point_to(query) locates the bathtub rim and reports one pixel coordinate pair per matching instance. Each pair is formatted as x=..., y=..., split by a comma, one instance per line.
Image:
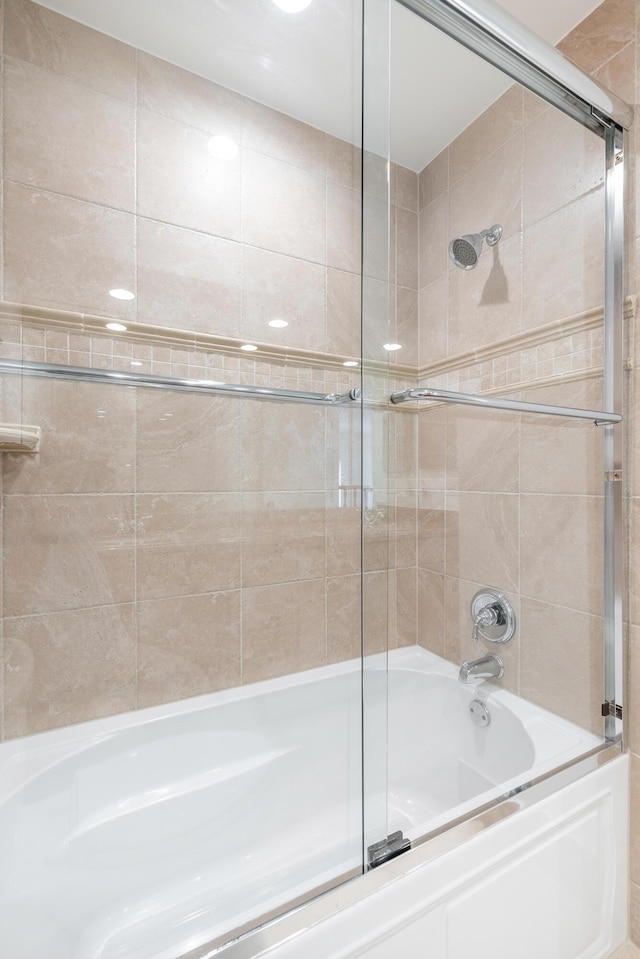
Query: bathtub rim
x=251, y=941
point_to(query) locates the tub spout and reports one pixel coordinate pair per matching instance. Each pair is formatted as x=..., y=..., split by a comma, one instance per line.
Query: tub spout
x=489, y=667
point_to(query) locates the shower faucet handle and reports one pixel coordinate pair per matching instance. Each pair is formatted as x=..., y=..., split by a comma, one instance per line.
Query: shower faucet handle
x=493, y=617
x=488, y=616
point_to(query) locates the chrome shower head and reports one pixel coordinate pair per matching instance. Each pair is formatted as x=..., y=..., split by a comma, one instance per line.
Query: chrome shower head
x=465, y=250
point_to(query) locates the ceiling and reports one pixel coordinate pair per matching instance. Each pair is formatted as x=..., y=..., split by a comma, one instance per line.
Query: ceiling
x=307, y=64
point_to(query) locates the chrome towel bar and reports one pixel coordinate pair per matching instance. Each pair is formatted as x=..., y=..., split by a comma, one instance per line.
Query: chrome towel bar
x=496, y=403
x=83, y=374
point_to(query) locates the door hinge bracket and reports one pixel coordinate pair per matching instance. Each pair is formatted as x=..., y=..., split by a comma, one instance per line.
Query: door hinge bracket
x=394, y=845
x=612, y=709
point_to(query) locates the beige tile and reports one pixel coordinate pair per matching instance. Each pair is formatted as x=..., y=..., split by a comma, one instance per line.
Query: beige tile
x=68, y=667
x=561, y=662
x=488, y=133
x=634, y=822
x=192, y=100
x=2, y=241
x=88, y=437
x=406, y=328
x=533, y=106
x=634, y=917
x=632, y=225
x=378, y=612
x=179, y=182
x=40, y=36
x=482, y=539
x=633, y=673
x=485, y=304
x=433, y=181
x=431, y=532
x=188, y=543
x=500, y=199
x=406, y=633
x=376, y=543
x=561, y=550
x=378, y=241
x=278, y=135
x=600, y=35
x=431, y=626
x=550, y=183
x=634, y=552
x=618, y=73
x=563, y=262
x=187, y=280
x=344, y=162
x=433, y=312
x=405, y=529
x=344, y=223
x=283, y=208
x=46, y=117
x=407, y=248
x=482, y=451
x=283, y=446
x=344, y=539
x=188, y=443
x=343, y=313
x=283, y=537
x=65, y=253
x=404, y=461
x=576, y=463
x=404, y=188
x=343, y=459
x=626, y=951
x=278, y=287
x=432, y=431
x=283, y=629
x=377, y=318
x=188, y=646
x=433, y=240
x=344, y=615
x=67, y=552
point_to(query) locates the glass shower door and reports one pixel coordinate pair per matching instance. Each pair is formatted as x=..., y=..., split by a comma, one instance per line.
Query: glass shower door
x=182, y=595
x=502, y=313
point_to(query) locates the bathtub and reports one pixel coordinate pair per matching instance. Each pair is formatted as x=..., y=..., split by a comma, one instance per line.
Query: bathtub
x=147, y=835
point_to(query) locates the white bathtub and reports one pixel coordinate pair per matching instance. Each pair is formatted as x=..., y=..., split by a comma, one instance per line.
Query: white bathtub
x=146, y=835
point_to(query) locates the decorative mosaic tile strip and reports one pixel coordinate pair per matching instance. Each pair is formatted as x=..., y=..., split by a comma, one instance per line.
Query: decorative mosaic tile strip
x=566, y=350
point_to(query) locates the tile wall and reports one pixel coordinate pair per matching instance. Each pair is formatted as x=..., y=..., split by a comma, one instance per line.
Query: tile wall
x=516, y=502
x=164, y=544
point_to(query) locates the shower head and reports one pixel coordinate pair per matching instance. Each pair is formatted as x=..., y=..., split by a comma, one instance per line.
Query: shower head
x=465, y=250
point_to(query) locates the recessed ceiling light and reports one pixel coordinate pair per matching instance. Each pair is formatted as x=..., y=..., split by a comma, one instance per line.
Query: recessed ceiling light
x=122, y=294
x=249, y=347
x=292, y=6
x=116, y=327
x=392, y=346
x=222, y=148
x=278, y=324
x=350, y=363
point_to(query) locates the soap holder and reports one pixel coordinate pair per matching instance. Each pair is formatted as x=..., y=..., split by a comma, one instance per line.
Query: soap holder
x=19, y=439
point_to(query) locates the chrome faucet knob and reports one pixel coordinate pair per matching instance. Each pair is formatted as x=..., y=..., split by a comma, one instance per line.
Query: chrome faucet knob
x=488, y=616
x=492, y=615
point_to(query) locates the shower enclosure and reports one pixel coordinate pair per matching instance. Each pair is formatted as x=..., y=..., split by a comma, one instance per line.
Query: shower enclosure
x=312, y=539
